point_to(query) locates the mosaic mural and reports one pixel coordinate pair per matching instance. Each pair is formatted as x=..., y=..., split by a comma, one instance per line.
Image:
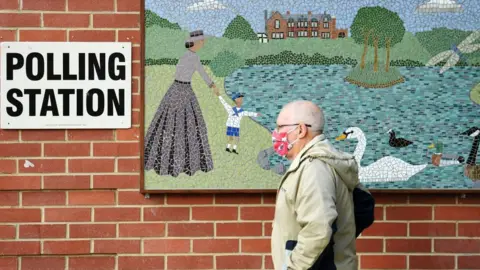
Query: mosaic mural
x=399, y=83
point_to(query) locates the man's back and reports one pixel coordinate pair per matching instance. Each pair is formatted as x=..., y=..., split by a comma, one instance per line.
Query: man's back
x=314, y=197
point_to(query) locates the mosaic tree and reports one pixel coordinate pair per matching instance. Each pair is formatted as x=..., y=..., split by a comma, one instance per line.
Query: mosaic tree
x=377, y=27
x=239, y=28
x=151, y=19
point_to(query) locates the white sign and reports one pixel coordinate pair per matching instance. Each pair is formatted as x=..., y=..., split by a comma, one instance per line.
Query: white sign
x=65, y=85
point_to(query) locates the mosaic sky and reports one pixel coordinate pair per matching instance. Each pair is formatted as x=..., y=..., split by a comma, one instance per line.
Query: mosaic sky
x=213, y=16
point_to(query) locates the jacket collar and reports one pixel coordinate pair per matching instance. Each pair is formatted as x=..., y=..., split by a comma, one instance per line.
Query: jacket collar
x=296, y=162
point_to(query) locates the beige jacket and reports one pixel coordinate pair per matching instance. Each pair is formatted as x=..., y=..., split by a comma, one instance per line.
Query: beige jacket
x=312, y=194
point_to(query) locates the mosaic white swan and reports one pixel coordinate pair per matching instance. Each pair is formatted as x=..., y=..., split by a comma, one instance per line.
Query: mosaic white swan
x=386, y=169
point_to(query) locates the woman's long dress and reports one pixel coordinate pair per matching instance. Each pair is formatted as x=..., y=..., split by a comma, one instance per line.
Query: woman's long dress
x=176, y=140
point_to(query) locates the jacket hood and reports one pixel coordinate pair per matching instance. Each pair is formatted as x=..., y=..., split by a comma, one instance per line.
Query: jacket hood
x=343, y=163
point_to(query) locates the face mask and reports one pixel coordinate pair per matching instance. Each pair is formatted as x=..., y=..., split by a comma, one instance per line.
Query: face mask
x=280, y=142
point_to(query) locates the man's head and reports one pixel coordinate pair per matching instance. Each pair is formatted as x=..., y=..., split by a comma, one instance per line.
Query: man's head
x=238, y=98
x=302, y=120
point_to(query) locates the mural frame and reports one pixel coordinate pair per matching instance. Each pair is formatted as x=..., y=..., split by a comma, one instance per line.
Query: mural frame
x=460, y=192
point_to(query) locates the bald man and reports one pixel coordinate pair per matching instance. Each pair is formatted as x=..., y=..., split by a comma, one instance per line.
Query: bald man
x=314, y=224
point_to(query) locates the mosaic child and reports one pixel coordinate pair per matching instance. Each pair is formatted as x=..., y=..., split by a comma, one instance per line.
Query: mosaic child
x=235, y=115
x=176, y=140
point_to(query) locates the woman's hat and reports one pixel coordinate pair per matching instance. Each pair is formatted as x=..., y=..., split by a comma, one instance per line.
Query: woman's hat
x=196, y=36
x=236, y=95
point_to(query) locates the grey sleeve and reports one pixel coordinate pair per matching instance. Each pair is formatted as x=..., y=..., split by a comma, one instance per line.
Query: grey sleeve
x=203, y=73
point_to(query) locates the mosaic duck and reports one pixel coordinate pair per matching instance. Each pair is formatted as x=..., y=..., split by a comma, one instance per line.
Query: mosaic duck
x=472, y=170
x=386, y=169
x=440, y=159
x=397, y=142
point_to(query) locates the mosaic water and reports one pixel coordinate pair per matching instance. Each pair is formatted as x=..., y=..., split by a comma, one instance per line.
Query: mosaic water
x=426, y=107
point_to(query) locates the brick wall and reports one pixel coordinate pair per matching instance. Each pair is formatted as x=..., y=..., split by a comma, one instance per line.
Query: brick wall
x=79, y=207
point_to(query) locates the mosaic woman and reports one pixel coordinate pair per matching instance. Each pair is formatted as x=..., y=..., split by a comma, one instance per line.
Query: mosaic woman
x=176, y=140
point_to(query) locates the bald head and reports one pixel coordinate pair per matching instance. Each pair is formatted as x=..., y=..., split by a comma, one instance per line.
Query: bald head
x=302, y=111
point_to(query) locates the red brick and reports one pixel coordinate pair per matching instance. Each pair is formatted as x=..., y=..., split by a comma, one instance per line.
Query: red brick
x=386, y=229
x=369, y=245
x=91, y=165
x=166, y=213
x=8, y=166
x=117, y=246
x=9, y=35
x=20, y=182
x=135, y=116
x=166, y=246
x=468, y=262
x=7, y=232
x=42, y=231
x=190, y=262
x=383, y=262
x=457, y=245
x=87, y=134
x=91, y=197
x=408, y=245
x=136, y=198
x=20, y=215
x=131, y=134
x=9, y=4
x=43, y=135
x=255, y=245
x=457, y=213
x=92, y=263
x=190, y=229
x=268, y=262
x=215, y=213
x=136, y=101
x=116, y=20
x=432, y=262
x=267, y=229
x=216, y=246
x=43, y=166
x=432, y=229
x=9, y=198
x=66, y=182
x=66, y=20
x=116, y=149
x=20, y=149
x=408, y=213
x=92, y=36
x=257, y=213
x=135, y=89
x=378, y=213
x=9, y=263
x=93, y=230
x=66, y=149
x=432, y=199
x=190, y=199
x=128, y=165
x=66, y=247
x=469, y=229
x=132, y=36
x=469, y=199
x=20, y=19
x=117, y=214
x=90, y=5
x=67, y=214
x=43, y=35
x=238, y=199
x=141, y=230
x=50, y=5
x=127, y=5
x=269, y=198
x=116, y=181
x=8, y=135
x=239, y=262
x=239, y=229
x=19, y=248
x=394, y=199
x=43, y=198
x=141, y=262
x=43, y=263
